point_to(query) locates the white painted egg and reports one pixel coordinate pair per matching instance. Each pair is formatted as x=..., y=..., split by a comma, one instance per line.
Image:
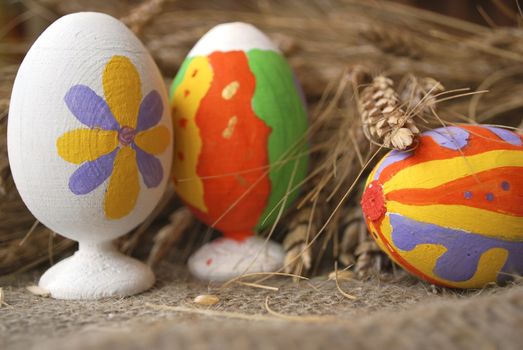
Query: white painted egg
x=89, y=133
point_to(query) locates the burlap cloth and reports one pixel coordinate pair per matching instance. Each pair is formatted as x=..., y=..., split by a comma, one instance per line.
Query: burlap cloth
x=399, y=314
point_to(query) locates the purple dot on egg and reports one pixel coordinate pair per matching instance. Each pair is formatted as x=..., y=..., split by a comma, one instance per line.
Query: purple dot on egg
x=467, y=195
x=505, y=186
x=489, y=197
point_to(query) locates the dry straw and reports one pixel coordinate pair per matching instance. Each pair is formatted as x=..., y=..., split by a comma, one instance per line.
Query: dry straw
x=384, y=118
x=370, y=70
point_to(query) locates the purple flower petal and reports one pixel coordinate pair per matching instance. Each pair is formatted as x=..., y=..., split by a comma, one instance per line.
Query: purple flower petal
x=89, y=108
x=150, y=167
x=92, y=174
x=151, y=111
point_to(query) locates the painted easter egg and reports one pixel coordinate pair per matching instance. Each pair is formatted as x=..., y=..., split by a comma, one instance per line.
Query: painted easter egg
x=90, y=133
x=239, y=124
x=450, y=211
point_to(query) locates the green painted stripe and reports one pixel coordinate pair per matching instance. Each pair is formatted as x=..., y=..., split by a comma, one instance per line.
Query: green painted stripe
x=278, y=103
x=179, y=77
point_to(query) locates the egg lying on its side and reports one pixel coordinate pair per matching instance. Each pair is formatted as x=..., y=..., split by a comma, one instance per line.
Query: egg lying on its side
x=451, y=211
x=239, y=122
x=90, y=147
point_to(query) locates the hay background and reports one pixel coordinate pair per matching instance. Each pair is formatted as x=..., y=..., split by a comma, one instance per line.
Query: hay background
x=323, y=40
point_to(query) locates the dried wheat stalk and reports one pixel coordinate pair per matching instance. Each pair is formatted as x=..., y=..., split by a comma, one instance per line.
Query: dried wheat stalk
x=392, y=41
x=350, y=227
x=168, y=235
x=2, y=298
x=384, y=119
x=357, y=248
x=369, y=258
x=298, y=257
x=419, y=95
x=142, y=14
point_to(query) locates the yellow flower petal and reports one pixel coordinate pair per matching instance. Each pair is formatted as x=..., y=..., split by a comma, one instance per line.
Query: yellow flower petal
x=82, y=145
x=122, y=191
x=122, y=90
x=154, y=140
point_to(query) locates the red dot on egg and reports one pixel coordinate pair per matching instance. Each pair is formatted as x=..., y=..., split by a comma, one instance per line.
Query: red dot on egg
x=182, y=122
x=186, y=93
x=181, y=156
x=208, y=262
x=373, y=201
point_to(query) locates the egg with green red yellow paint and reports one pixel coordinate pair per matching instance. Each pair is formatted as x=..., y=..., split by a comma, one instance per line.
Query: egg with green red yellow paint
x=240, y=126
x=451, y=210
x=90, y=147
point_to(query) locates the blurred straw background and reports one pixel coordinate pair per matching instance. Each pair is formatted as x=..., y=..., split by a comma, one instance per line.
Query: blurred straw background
x=466, y=68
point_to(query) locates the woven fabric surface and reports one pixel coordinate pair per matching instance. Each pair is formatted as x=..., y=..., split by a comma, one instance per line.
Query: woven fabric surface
x=398, y=314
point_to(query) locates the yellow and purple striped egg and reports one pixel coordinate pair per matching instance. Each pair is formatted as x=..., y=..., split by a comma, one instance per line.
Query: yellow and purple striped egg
x=451, y=211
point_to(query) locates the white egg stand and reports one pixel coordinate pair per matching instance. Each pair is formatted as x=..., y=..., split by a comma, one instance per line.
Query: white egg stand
x=97, y=270
x=225, y=258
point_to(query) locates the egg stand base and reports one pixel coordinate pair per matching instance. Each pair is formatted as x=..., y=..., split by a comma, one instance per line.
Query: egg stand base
x=225, y=258
x=97, y=270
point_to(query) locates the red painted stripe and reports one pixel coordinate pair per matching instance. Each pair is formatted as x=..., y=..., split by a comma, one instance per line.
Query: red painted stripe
x=499, y=190
x=246, y=149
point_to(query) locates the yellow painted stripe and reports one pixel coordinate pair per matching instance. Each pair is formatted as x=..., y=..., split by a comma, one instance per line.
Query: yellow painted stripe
x=187, y=141
x=438, y=172
x=464, y=218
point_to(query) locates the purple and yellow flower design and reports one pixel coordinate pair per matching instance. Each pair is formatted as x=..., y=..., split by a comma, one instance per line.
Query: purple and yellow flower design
x=122, y=138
